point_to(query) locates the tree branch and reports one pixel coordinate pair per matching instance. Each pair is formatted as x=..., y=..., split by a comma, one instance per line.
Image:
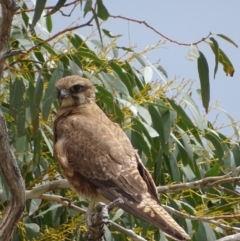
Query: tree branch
x=61, y=200
x=234, y=237
x=38, y=193
x=205, y=182
x=8, y=164
x=203, y=219
x=157, y=32
x=48, y=7
x=88, y=23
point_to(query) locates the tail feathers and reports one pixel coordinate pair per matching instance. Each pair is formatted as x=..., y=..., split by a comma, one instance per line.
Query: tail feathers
x=152, y=212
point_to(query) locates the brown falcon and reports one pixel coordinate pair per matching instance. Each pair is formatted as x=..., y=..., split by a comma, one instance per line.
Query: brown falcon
x=99, y=160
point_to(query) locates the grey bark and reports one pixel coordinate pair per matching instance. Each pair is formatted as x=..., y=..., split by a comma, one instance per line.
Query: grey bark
x=8, y=164
x=234, y=237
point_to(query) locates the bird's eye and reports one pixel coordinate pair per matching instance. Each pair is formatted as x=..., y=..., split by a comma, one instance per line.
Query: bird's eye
x=75, y=88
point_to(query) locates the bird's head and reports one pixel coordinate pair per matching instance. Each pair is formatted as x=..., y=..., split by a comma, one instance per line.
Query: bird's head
x=74, y=91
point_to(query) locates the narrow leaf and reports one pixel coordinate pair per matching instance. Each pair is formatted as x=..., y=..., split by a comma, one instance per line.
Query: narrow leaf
x=203, y=72
x=87, y=7
x=109, y=34
x=59, y=4
x=40, y=4
x=18, y=105
x=161, y=69
x=35, y=203
x=102, y=11
x=174, y=169
x=216, y=52
x=49, y=23
x=50, y=91
x=228, y=39
x=216, y=143
x=98, y=25
x=224, y=60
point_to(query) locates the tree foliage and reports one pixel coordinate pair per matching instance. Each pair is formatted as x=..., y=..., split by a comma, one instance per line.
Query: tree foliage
x=175, y=141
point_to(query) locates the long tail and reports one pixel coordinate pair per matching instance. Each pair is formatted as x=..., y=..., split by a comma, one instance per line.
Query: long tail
x=152, y=212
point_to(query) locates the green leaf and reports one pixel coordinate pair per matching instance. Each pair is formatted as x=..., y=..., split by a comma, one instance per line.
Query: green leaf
x=102, y=11
x=98, y=25
x=224, y=60
x=204, y=232
x=197, y=117
x=75, y=69
x=216, y=143
x=216, y=52
x=90, y=56
x=186, y=144
x=159, y=127
x=35, y=203
x=161, y=69
x=175, y=174
x=188, y=173
x=59, y=4
x=144, y=114
x=228, y=39
x=203, y=72
x=35, y=96
x=18, y=105
x=53, y=207
x=50, y=91
x=184, y=121
x=37, y=148
x=40, y=4
x=118, y=214
x=47, y=141
x=32, y=231
x=214, y=171
x=140, y=59
x=87, y=7
x=122, y=75
x=236, y=154
x=109, y=34
x=145, y=130
x=107, y=99
x=49, y=23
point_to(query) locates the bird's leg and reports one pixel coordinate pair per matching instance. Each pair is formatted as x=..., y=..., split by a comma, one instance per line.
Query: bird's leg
x=96, y=218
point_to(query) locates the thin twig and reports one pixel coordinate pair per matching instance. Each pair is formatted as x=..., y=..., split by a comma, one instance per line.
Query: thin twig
x=156, y=31
x=48, y=7
x=203, y=219
x=11, y=53
x=68, y=15
x=205, y=182
x=88, y=23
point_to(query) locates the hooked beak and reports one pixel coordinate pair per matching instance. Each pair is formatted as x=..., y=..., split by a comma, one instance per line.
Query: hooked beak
x=64, y=94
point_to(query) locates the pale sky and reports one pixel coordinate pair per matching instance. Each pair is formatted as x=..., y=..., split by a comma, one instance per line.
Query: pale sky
x=184, y=21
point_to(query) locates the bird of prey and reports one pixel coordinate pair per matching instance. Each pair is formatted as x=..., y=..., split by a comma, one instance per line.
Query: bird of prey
x=98, y=159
